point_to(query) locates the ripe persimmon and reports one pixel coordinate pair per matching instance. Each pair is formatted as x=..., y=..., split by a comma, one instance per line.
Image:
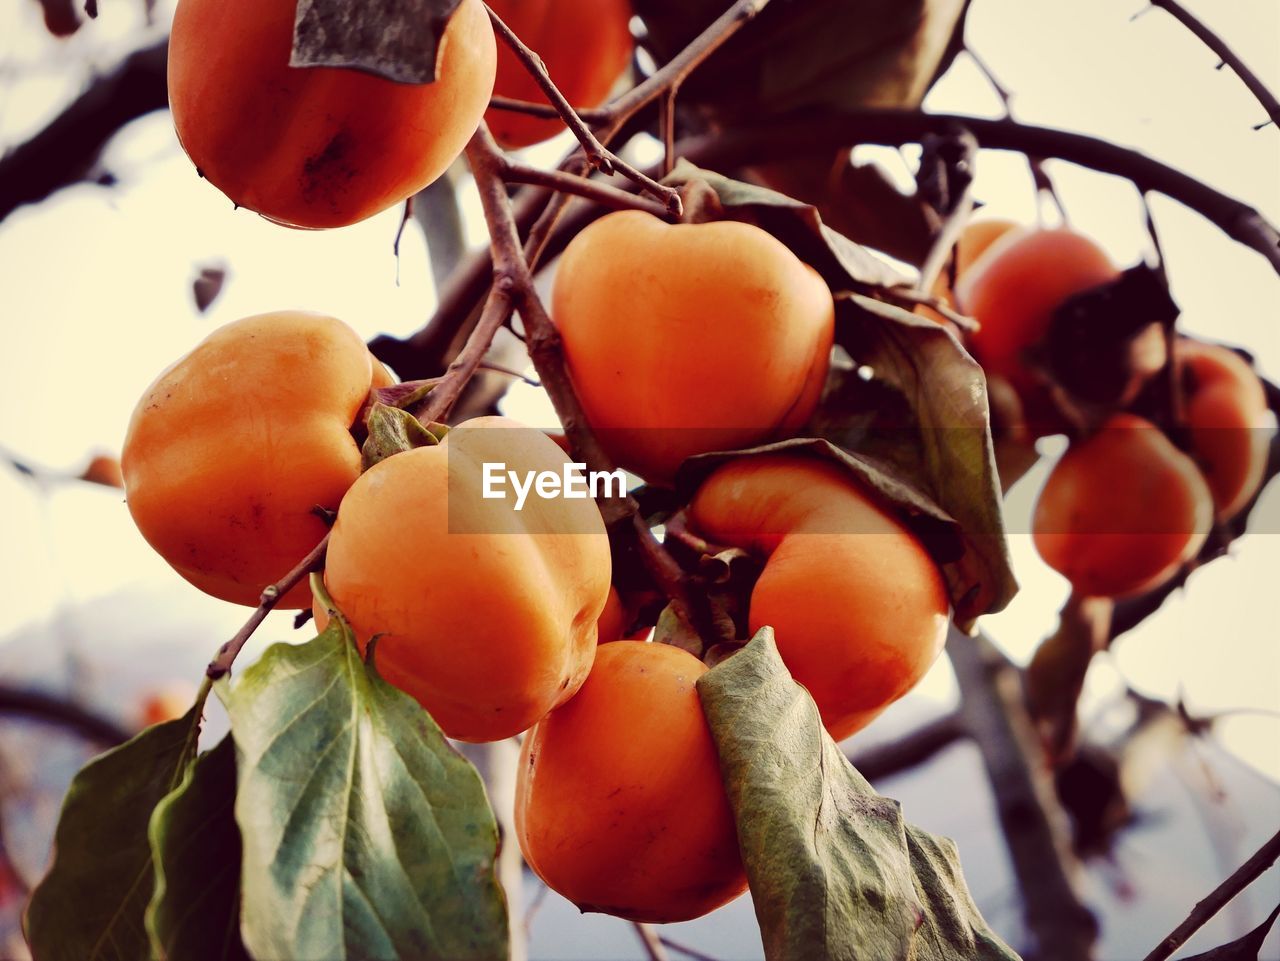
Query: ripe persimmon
x=620, y=806
x=317, y=146
x=585, y=44
x=1122, y=510
x=231, y=450
x=689, y=338
x=977, y=237
x=485, y=614
x=1226, y=412
x=858, y=606
x=1012, y=291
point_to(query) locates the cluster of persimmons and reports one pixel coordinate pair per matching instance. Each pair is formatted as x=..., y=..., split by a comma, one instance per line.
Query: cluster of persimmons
x=240, y=454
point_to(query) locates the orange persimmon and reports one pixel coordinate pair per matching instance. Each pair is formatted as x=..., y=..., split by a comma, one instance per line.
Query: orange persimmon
x=689, y=338
x=1122, y=510
x=858, y=606
x=231, y=450
x=317, y=146
x=620, y=806
x=485, y=614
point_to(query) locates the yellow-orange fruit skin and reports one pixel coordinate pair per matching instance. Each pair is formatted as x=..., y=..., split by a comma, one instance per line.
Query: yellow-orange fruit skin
x=318, y=146
x=585, y=44
x=688, y=338
x=620, y=806
x=232, y=448
x=1226, y=413
x=976, y=238
x=1122, y=510
x=1012, y=290
x=487, y=616
x=858, y=607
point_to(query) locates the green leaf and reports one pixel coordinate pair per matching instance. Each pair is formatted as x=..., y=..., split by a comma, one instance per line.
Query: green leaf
x=365, y=834
x=90, y=906
x=194, y=913
x=835, y=871
x=395, y=39
x=939, y=439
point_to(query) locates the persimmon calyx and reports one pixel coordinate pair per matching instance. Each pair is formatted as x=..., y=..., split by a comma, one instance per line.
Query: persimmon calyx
x=394, y=431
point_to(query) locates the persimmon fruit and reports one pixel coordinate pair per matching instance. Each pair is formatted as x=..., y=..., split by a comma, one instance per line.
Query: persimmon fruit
x=1226, y=413
x=317, y=146
x=977, y=237
x=1122, y=510
x=585, y=44
x=485, y=614
x=1012, y=290
x=231, y=450
x=858, y=606
x=620, y=806
x=721, y=340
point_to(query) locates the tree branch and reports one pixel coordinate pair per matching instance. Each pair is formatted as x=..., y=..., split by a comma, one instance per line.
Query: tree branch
x=63, y=152
x=1030, y=816
x=1245, y=875
x=55, y=710
x=896, y=127
x=597, y=154
x=881, y=761
x=1224, y=53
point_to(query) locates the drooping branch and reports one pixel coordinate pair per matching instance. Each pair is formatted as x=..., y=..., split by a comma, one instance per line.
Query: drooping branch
x=896, y=127
x=1031, y=818
x=50, y=709
x=1200, y=915
x=64, y=151
x=912, y=749
x=1224, y=53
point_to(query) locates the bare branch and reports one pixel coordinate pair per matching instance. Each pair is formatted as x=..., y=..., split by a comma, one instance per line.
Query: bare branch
x=1224, y=53
x=55, y=710
x=896, y=127
x=881, y=761
x=1200, y=915
x=64, y=151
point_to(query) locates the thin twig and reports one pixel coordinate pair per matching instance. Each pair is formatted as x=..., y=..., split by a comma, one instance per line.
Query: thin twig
x=652, y=943
x=953, y=224
x=1200, y=915
x=684, y=949
x=544, y=110
x=602, y=193
x=1225, y=55
x=1039, y=175
x=599, y=156
x=220, y=666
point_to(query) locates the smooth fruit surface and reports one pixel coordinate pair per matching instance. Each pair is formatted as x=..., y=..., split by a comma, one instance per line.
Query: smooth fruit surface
x=1122, y=510
x=585, y=44
x=976, y=238
x=317, y=147
x=230, y=451
x=619, y=802
x=858, y=606
x=1226, y=412
x=1012, y=291
x=689, y=338
x=484, y=614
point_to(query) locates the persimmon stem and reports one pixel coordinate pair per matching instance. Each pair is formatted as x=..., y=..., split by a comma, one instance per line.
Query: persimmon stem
x=1213, y=902
x=544, y=110
x=1224, y=54
x=597, y=154
x=220, y=666
x=606, y=195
